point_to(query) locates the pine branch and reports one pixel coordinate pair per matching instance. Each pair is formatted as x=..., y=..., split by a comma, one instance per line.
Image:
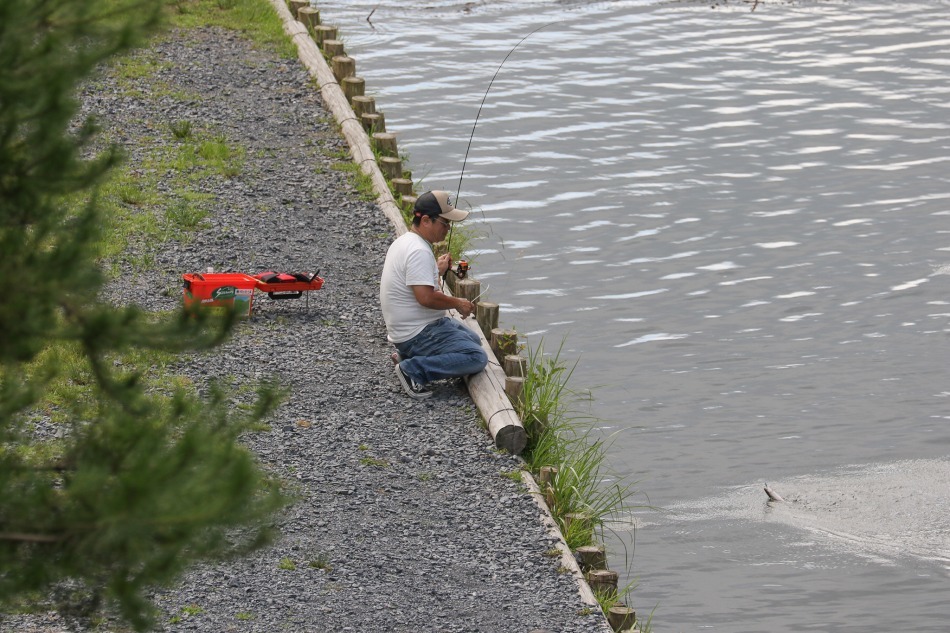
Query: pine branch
x=30, y=538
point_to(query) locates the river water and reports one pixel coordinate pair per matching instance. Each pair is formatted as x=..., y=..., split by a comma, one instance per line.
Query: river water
x=737, y=223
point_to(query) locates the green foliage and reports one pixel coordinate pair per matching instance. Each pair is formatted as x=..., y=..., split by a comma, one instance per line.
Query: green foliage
x=133, y=477
x=609, y=599
x=581, y=495
x=322, y=562
x=544, y=407
x=155, y=200
x=185, y=216
x=361, y=182
x=180, y=129
x=374, y=462
x=256, y=18
x=558, y=436
x=286, y=564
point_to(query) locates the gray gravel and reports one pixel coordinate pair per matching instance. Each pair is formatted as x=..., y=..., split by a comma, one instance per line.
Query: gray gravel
x=434, y=537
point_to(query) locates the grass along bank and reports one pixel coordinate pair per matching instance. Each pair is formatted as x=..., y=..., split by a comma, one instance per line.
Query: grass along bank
x=564, y=454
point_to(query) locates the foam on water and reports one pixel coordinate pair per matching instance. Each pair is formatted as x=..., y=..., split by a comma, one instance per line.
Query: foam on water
x=882, y=511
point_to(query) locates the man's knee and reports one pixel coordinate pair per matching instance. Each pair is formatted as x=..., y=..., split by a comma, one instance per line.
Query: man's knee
x=480, y=358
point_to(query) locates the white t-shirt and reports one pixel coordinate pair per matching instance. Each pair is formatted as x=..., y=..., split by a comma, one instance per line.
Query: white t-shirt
x=409, y=262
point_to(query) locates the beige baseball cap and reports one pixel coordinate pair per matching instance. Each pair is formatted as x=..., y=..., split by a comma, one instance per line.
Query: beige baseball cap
x=438, y=203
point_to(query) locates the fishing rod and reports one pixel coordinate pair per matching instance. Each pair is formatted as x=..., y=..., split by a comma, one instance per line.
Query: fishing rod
x=479, y=113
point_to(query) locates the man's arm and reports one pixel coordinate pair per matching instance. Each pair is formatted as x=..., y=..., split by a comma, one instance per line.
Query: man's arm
x=429, y=297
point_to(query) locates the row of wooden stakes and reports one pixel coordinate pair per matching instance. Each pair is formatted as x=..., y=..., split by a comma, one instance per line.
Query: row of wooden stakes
x=504, y=342
x=354, y=89
x=592, y=559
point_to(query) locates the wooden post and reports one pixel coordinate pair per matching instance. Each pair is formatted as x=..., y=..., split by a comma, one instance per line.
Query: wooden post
x=515, y=365
x=469, y=289
x=363, y=104
x=373, y=122
x=576, y=518
x=309, y=16
x=409, y=204
x=621, y=617
x=323, y=32
x=487, y=316
x=547, y=474
x=591, y=557
x=343, y=66
x=452, y=282
x=402, y=186
x=603, y=580
x=296, y=6
x=391, y=166
x=514, y=385
x=503, y=342
x=332, y=48
x=353, y=87
x=385, y=143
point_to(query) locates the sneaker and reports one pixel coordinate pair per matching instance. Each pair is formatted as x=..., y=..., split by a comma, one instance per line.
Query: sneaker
x=411, y=387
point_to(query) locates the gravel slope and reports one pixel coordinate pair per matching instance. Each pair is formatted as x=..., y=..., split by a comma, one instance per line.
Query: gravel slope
x=406, y=502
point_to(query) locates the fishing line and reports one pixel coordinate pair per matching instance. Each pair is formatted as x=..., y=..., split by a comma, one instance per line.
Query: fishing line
x=479, y=113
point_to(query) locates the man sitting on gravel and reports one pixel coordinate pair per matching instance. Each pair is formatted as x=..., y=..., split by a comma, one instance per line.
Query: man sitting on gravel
x=430, y=345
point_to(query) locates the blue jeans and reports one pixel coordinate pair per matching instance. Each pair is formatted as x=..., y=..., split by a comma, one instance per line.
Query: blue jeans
x=444, y=349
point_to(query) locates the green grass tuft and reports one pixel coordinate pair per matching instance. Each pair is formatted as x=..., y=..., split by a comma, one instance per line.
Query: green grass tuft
x=255, y=18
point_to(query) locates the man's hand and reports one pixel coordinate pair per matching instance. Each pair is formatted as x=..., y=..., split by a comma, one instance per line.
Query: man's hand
x=444, y=262
x=429, y=297
x=465, y=308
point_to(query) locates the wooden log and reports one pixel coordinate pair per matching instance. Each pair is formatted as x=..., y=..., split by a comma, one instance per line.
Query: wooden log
x=603, y=580
x=385, y=143
x=487, y=315
x=621, y=617
x=470, y=289
x=332, y=48
x=353, y=87
x=514, y=385
x=323, y=32
x=409, y=204
x=591, y=557
x=402, y=186
x=391, y=166
x=296, y=6
x=309, y=16
x=363, y=104
x=547, y=474
x=487, y=390
x=515, y=365
x=373, y=122
x=503, y=342
x=343, y=66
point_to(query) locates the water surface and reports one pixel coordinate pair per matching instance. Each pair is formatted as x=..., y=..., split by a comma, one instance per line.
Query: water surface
x=738, y=223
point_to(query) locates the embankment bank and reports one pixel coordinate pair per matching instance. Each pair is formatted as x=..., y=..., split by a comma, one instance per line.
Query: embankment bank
x=404, y=520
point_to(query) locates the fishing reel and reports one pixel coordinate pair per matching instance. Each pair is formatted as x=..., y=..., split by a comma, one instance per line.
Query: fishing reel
x=461, y=270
